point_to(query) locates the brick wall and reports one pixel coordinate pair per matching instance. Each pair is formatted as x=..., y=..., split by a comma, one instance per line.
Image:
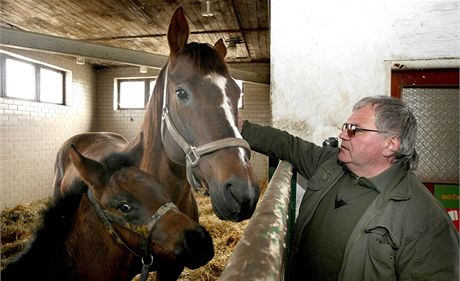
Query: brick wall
x=31, y=133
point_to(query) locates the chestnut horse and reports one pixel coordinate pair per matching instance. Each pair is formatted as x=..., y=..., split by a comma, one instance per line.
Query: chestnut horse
x=190, y=132
x=113, y=221
x=190, y=129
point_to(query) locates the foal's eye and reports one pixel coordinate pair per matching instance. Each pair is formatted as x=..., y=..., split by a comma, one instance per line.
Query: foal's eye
x=124, y=207
x=181, y=94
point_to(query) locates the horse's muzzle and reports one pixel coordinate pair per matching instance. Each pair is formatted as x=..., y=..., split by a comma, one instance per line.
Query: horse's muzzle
x=235, y=200
x=198, y=248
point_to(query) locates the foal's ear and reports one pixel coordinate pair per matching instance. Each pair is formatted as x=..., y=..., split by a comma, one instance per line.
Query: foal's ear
x=136, y=150
x=178, y=32
x=220, y=48
x=92, y=172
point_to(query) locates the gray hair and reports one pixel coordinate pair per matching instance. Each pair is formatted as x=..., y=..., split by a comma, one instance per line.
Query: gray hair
x=396, y=118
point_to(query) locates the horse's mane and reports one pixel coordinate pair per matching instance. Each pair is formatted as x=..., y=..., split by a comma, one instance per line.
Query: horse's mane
x=205, y=58
x=117, y=161
x=40, y=256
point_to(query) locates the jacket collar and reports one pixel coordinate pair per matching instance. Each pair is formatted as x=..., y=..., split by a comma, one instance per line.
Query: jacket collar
x=386, y=181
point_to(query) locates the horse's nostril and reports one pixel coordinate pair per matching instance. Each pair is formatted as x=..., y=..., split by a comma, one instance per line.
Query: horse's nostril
x=192, y=238
x=238, y=191
x=199, y=247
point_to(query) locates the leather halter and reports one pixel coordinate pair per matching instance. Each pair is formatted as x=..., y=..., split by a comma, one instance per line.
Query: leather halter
x=193, y=153
x=142, y=230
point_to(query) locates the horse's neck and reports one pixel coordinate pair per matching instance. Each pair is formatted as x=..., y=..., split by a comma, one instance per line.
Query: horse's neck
x=154, y=160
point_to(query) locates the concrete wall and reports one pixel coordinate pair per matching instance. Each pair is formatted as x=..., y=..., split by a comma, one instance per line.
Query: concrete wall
x=31, y=132
x=325, y=56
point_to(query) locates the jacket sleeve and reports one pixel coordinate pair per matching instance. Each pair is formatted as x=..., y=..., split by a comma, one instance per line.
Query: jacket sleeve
x=434, y=255
x=305, y=156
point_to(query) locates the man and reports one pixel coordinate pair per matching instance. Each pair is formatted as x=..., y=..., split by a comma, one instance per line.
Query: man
x=364, y=215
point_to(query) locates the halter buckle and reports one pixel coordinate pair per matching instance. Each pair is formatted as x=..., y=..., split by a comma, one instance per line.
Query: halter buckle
x=165, y=113
x=192, y=157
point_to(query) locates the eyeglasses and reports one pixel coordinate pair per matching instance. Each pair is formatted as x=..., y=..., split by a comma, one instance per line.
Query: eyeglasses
x=352, y=129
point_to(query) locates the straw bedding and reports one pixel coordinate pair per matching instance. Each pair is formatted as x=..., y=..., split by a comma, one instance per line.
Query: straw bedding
x=18, y=224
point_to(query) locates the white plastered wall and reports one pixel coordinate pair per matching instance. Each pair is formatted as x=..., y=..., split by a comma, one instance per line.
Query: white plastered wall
x=327, y=55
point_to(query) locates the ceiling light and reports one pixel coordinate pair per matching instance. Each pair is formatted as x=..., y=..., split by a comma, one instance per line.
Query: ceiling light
x=80, y=60
x=143, y=69
x=207, y=8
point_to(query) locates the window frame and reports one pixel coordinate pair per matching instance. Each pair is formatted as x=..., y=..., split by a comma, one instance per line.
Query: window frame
x=147, y=91
x=424, y=77
x=37, y=67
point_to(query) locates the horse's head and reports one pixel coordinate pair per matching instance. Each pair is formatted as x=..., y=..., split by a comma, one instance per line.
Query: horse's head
x=199, y=128
x=137, y=212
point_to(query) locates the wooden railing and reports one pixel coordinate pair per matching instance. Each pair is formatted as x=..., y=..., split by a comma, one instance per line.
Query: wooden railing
x=261, y=251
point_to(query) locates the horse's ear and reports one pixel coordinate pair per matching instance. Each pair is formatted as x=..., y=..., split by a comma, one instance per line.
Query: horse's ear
x=92, y=172
x=136, y=150
x=220, y=48
x=178, y=32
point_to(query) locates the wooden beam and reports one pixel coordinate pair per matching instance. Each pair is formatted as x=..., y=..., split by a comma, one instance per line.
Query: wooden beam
x=63, y=46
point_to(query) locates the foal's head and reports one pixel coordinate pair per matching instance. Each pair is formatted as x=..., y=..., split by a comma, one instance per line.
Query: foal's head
x=136, y=207
x=200, y=102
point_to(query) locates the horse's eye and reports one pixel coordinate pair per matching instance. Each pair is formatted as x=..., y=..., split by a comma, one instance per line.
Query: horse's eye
x=124, y=207
x=182, y=95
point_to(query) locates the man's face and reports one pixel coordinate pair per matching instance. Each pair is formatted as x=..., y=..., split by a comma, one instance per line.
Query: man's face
x=363, y=153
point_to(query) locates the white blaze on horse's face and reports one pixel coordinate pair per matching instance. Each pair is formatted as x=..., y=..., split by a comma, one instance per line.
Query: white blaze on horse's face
x=220, y=81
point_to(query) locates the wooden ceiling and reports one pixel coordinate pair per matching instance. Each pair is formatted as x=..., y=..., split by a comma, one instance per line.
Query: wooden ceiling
x=142, y=24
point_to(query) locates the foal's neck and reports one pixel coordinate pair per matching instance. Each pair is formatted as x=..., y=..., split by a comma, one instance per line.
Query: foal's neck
x=156, y=162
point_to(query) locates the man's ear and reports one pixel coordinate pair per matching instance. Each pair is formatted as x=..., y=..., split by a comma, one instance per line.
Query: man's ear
x=392, y=145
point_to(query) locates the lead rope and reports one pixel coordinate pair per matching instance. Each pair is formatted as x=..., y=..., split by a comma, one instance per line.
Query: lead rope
x=145, y=269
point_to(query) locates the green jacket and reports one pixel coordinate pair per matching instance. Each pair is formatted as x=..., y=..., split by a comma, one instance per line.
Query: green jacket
x=404, y=234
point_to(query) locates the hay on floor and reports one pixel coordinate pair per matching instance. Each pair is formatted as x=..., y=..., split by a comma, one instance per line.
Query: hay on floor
x=19, y=223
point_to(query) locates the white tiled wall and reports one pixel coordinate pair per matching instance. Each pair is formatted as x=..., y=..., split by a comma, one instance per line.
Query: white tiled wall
x=32, y=132
x=127, y=121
